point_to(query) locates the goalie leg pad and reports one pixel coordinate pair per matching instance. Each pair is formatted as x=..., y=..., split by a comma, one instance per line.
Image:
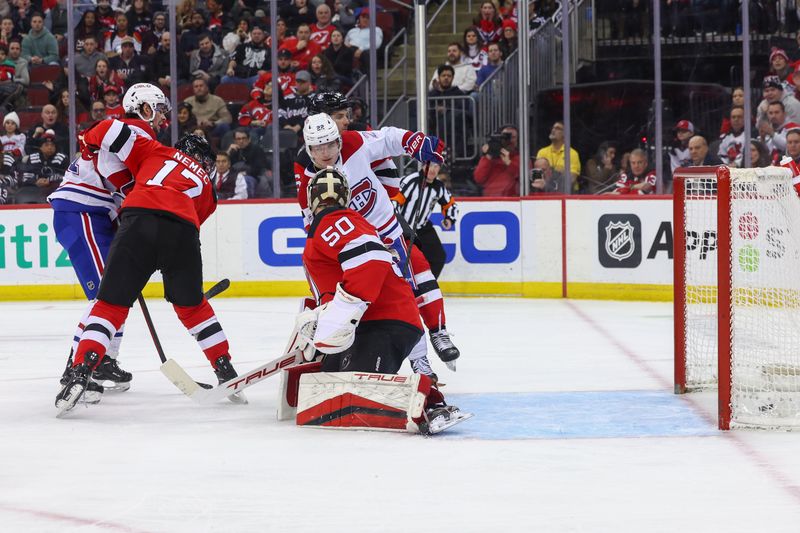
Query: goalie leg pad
x=361, y=400
x=290, y=384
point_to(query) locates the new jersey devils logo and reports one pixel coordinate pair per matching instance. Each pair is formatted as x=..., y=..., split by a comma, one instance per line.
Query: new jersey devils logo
x=362, y=197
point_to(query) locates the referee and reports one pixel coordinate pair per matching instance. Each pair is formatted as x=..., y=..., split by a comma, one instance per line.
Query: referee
x=433, y=192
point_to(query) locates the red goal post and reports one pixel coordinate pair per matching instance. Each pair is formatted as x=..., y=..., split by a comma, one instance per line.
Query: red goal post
x=737, y=292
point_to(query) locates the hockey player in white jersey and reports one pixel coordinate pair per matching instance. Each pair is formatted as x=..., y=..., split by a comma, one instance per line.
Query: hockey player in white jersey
x=84, y=217
x=352, y=153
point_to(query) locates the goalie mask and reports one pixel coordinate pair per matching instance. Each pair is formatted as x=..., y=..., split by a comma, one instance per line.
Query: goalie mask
x=328, y=187
x=198, y=148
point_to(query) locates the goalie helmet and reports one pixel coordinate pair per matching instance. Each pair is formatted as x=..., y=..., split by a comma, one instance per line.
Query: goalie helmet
x=328, y=103
x=328, y=186
x=320, y=129
x=145, y=93
x=197, y=147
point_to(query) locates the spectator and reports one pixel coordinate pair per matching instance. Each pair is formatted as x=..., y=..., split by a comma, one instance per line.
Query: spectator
x=793, y=145
x=280, y=27
x=773, y=132
x=190, y=38
x=97, y=112
x=294, y=108
x=543, y=177
x=779, y=66
x=39, y=46
x=474, y=49
x=321, y=29
x=56, y=20
x=10, y=90
x=464, y=75
x=121, y=34
x=296, y=13
x=508, y=42
x=344, y=15
x=639, y=178
x=43, y=171
x=444, y=83
x=7, y=31
x=302, y=47
x=737, y=98
x=488, y=23
x=760, y=156
x=341, y=57
x=208, y=62
x=773, y=92
x=250, y=159
x=257, y=113
x=21, y=73
x=250, y=60
x=106, y=17
x=219, y=22
x=128, y=64
x=88, y=26
x=87, y=58
x=62, y=105
x=498, y=168
x=210, y=110
x=554, y=153
x=603, y=169
x=22, y=16
x=698, y=153
x=229, y=185
x=49, y=122
x=731, y=146
x=12, y=139
x=359, y=37
x=184, y=13
x=679, y=147
x=140, y=18
x=152, y=37
x=495, y=59
x=187, y=123
x=160, y=63
x=286, y=78
x=236, y=37
x=323, y=76
x=111, y=99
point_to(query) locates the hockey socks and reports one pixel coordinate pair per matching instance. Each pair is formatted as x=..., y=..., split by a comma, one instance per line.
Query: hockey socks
x=203, y=325
x=101, y=326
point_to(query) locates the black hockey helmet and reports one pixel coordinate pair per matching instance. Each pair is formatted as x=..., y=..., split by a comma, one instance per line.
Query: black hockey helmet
x=198, y=148
x=328, y=103
x=328, y=184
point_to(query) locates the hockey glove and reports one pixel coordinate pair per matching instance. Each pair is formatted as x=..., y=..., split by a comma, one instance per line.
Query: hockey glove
x=337, y=322
x=424, y=147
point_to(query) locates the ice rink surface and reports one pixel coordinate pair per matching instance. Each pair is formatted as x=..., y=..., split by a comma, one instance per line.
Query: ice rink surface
x=576, y=430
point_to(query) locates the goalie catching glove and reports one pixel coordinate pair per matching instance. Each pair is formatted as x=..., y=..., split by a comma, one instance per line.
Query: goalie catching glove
x=337, y=321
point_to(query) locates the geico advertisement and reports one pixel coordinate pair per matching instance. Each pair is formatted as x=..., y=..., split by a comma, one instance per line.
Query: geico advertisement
x=484, y=244
x=29, y=252
x=622, y=241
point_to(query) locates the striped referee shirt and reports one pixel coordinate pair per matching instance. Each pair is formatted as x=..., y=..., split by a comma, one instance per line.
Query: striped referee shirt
x=432, y=194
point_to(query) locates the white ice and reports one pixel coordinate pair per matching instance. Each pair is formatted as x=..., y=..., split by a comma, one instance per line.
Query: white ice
x=150, y=460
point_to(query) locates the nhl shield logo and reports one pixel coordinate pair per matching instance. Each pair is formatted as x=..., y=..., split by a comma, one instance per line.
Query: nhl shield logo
x=619, y=238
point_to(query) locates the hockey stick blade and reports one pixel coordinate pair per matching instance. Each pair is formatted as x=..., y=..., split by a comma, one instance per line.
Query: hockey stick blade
x=187, y=385
x=220, y=286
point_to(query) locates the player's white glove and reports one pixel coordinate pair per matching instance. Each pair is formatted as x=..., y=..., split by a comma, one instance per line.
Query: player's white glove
x=305, y=326
x=337, y=322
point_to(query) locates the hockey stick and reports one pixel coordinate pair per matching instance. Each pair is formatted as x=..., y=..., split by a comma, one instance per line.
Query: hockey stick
x=415, y=216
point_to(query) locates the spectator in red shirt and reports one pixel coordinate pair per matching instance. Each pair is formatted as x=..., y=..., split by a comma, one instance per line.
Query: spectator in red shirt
x=488, y=23
x=103, y=76
x=321, y=30
x=302, y=47
x=638, y=179
x=498, y=173
x=111, y=99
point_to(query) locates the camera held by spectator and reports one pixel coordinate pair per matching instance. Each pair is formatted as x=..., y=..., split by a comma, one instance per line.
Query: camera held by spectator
x=498, y=141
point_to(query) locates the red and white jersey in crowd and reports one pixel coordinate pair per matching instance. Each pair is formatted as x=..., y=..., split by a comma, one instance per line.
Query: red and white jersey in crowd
x=679, y=157
x=166, y=180
x=93, y=179
x=627, y=180
x=369, y=193
x=285, y=81
x=730, y=148
x=322, y=36
x=777, y=141
x=254, y=110
x=14, y=144
x=343, y=247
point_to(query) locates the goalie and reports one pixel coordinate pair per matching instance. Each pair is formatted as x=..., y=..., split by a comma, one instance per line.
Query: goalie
x=367, y=318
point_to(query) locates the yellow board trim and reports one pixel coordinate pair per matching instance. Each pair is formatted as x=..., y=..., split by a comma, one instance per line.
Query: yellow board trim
x=593, y=291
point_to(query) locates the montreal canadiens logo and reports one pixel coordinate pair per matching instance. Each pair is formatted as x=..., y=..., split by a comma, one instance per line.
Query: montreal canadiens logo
x=619, y=240
x=362, y=197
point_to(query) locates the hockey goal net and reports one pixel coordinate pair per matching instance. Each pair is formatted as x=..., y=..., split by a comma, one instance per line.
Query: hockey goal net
x=737, y=292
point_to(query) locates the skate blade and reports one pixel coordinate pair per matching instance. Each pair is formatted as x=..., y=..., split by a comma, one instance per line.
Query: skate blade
x=239, y=398
x=66, y=405
x=438, y=425
x=451, y=365
x=92, y=397
x=114, y=386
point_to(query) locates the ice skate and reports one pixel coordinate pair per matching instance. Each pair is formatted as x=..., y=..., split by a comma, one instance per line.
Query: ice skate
x=94, y=391
x=111, y=376
x=226, y=372
x=422, y=366
x=442, y=417
x=445, y=348
x=76, y=386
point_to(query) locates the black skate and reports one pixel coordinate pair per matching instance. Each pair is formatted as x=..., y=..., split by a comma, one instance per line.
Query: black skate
x=77, y=385
x=94, y=391
x=444, y=347
x=225, y=372
x=441, y=417
x=112, y=376
x=423, y=366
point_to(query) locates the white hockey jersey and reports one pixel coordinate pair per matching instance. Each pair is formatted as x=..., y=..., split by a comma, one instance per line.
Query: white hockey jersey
x=368, y=193
x=731, y=149
x=97, y=183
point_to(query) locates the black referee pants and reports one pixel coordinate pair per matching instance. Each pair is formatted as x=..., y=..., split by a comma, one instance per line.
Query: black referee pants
x=428, y=241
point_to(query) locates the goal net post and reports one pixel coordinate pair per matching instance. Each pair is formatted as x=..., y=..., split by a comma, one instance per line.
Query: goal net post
x=737, y=292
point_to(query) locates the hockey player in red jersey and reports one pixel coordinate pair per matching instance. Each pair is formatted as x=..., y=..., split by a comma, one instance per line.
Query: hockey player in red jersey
x=366, y=319
x=354, y=153
x=161, y=218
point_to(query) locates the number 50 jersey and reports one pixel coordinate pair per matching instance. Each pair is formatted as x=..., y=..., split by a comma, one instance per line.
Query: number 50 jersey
x=343, y=247
x=167, y=180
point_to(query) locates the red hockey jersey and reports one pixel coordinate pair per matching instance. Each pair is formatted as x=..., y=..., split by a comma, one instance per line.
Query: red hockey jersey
x=166, y=180
x=343, y=247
